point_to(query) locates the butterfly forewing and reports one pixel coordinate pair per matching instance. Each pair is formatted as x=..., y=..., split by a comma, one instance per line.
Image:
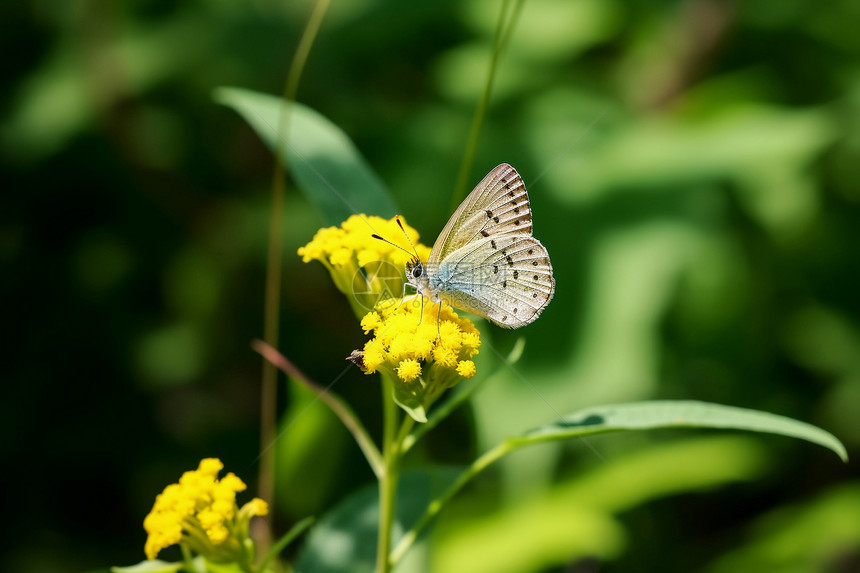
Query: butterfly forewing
x=506, y=279
x=497, y=206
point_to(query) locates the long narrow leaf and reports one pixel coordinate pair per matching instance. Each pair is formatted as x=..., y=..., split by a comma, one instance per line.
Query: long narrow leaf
x=324, y=162
x=678, y=414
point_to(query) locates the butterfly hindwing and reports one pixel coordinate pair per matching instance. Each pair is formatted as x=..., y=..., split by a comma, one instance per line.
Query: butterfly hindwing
x=497, y=206
x=506, y=279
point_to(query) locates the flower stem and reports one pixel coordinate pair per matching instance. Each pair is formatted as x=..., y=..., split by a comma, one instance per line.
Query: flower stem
x=340, y=408
x=187, y=557
x=437, y=504
x=388, y=482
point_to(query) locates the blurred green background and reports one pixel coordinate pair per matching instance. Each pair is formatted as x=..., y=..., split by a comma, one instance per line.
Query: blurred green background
x=693, y=170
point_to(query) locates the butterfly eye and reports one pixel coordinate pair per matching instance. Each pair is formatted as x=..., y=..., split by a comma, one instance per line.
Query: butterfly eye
x=417, y=270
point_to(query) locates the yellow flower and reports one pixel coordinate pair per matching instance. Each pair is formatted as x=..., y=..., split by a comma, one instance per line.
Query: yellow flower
x=424, y=348
x=466, y=368
x=409, y=370
x=363, y=268
x=201, y=512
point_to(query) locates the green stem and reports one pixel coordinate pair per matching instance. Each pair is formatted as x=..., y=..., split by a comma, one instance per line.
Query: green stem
x=187, y=558
x=245, y=567
x=403, y=435
x=437, y=504
x=296, y=530
x=334, y=402
x=304, y=49
x=268, y=393
x=504, y=28
x=271, y=305
x=388, y=481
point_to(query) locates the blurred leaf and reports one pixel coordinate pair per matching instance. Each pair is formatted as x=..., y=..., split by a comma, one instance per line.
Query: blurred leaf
x=822, y=535
x=557, y=31
x=677, y=414
x=766, y=150
x=575, y=519
x=309, y=436
x=644, y=474
x=173, y=354
x=322, y=159
x=526, y=537
x=193, y=282
x=213, y=567
x=284, y=541
x=64, y=96
x=344, y=541
x=53, y=105
x=149, y=566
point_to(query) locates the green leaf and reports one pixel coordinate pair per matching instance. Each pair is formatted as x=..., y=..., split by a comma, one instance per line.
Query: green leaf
x=344, y=540
x=149, y=566
x=215, y=567
x=411, y=400
x=634, y=416
x=307, y=438
x=321, y=158
x=677, y=414
x=284, y=541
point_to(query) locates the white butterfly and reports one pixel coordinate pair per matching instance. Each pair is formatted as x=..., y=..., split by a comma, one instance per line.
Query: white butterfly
x=486, y=260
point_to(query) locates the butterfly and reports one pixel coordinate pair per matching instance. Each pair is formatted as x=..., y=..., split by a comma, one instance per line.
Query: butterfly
x=486, y=260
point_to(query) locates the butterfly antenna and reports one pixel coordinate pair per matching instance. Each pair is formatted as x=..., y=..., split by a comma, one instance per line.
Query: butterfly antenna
x=414, y=251
x=411, y=244
x=384, y=240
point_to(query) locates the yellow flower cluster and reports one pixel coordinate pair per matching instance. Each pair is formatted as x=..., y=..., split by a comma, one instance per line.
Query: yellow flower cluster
x=201, y=512
x=423, y=348
x=427, y=348
x=365, y=269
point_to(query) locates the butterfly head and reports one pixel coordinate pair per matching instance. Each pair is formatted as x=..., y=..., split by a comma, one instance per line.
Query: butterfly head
x=414, y=270
x=416, y=275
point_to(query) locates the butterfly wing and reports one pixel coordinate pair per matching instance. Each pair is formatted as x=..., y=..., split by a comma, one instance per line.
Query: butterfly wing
x=507, y=279
x=497, y=206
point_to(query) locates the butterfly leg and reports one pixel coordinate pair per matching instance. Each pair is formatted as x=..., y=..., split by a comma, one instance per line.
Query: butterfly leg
x=439, y=321
x=402, y=297
x=421, y=316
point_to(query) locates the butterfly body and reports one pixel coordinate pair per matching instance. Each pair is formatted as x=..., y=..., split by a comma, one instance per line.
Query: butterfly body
x=486, y=260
